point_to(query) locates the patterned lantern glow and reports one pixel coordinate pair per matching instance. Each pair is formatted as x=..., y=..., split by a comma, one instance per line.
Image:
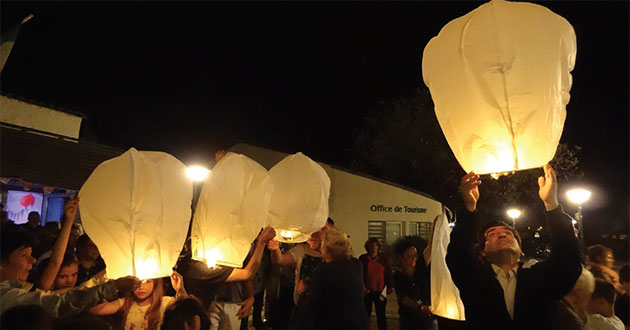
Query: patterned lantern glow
x=299, y=204
x=445, y=300
x=500, y=78
x=233, y=206
x=136, y=209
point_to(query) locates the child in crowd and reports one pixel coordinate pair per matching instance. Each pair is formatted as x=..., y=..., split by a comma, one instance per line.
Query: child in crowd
x=67, y=275
x=187, y=313
x=145, y=306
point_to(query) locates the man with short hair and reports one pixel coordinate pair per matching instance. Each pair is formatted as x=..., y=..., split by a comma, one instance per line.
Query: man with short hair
x=497, y=292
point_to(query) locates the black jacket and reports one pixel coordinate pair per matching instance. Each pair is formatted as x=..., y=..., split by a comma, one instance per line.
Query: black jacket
x=536, y=287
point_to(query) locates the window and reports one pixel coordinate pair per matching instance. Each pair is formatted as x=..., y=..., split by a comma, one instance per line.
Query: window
x=422, y=229
x=393, y=231
x=387, y=232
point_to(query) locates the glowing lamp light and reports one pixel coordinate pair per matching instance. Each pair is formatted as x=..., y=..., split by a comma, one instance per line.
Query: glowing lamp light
x=232, y=207
x=197, y=173
x=513, y=213
x=509, y=63
x=299, y=204
x=578, y=196
x=136, y=209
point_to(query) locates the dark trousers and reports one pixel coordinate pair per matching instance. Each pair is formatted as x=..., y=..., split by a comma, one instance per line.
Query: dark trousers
x=374, y=297
x=257, y=313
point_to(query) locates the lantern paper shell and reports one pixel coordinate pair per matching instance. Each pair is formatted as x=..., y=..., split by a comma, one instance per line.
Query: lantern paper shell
x=232, y=208
x=500, y=79
x=136, y=209
x=299, y=205
x=445, y=300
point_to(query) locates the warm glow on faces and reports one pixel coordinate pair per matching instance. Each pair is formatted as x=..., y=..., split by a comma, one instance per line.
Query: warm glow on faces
x=409, y=257
x=67, y=277
x=144, y=291
x=500, y=238
x=20, y=263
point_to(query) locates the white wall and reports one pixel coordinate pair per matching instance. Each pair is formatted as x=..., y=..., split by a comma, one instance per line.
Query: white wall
x=355, y=200
x=24, y=114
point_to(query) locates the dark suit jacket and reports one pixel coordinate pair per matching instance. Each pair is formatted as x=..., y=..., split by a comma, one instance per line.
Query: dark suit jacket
x=536, y=287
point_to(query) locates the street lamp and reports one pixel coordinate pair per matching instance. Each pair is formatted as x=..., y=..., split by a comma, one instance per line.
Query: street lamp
x=197, y=173
x=579, y=197
x=514, y=213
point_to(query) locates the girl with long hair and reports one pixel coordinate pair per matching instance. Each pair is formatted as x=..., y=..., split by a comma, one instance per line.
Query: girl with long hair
x=144, y=308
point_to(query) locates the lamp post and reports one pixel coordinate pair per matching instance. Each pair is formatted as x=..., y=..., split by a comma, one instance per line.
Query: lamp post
x=514, y=213
x=579, y=197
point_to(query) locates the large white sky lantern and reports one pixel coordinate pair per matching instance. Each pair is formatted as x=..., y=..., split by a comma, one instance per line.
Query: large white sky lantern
x=233, y=206
x=500, y=78
x=299, y=204
x=136, y=209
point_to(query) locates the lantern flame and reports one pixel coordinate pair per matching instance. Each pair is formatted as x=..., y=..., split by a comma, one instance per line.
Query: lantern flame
x=147, y=269
x=286, y=234
x=450, y=310
x=212, y=256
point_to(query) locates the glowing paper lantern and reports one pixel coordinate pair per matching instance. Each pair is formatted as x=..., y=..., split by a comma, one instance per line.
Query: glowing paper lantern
x=500, y=78
x=233, y=206
x=299, y=205
x=136, y=209
x=445, y=300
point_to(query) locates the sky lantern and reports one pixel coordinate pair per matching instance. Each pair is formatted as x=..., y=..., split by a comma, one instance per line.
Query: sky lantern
x=136, y=209
x=299, y=205
x=445, y=300
x=232, y=208
x=500, y=78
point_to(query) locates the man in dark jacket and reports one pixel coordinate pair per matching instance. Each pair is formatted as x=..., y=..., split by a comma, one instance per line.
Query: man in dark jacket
x=497, y=292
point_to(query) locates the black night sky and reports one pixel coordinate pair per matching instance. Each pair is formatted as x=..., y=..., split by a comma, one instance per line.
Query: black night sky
x=188, y=78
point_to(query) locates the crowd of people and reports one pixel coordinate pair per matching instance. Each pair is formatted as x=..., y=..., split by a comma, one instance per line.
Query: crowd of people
x=53, y=277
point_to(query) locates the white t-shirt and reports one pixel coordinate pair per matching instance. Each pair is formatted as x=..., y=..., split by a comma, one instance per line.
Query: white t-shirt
x=599, y=322
x=135, y=319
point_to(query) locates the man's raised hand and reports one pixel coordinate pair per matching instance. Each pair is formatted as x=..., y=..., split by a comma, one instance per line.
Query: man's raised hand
x=469, y=189
x=548, y=188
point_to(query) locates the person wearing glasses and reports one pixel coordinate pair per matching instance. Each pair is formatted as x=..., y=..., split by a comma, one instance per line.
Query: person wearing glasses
x=497, y=291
